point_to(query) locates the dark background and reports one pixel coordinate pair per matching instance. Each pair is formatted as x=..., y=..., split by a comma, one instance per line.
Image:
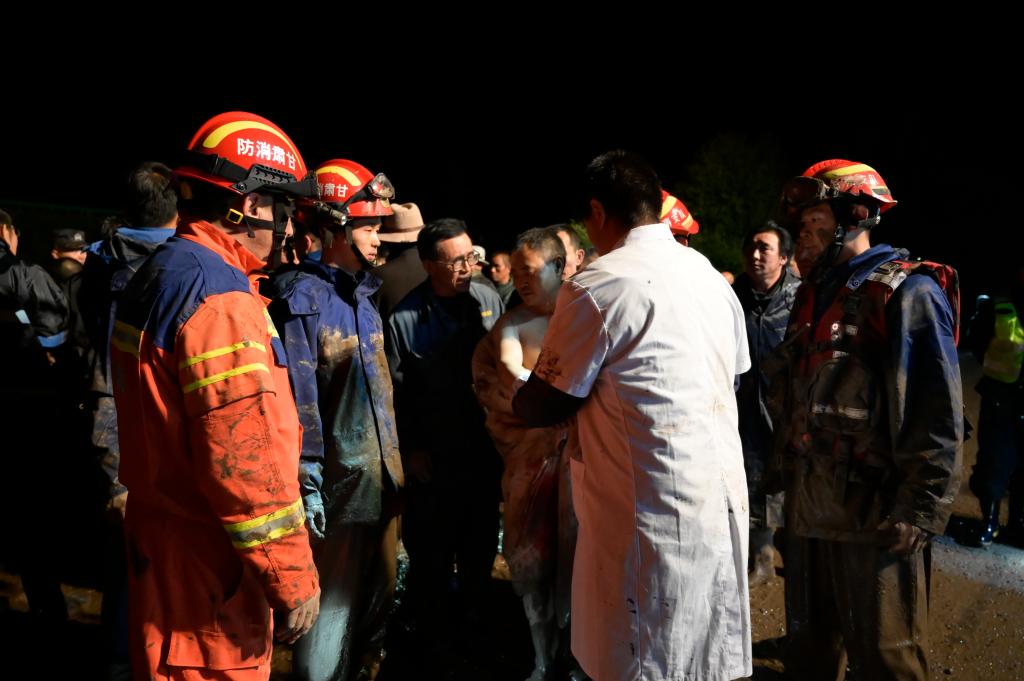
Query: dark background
x=501, y=145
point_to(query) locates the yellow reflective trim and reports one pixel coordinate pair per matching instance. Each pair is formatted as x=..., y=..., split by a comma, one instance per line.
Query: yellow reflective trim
x=486, y=313
x=271, y=329
x=271, y=536
x=263, y=519
x=667, y=207
x=841, y=172
x=349, y=176
x=216, y=378
x=196, y=359
x=126, y=338
x=125, y=347
x=218, y=135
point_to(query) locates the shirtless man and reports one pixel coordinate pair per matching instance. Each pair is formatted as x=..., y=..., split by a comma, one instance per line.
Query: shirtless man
x=531, y=455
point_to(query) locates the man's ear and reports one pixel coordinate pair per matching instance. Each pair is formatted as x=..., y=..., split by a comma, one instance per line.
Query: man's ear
x=597, y=213
x=559, y=265
x=860, y=212
x=250, y=204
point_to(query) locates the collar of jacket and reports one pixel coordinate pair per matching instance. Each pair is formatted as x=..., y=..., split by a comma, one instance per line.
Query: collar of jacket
x=460, y=301
x=360, y=285
x=859, y=267
x=232, y=252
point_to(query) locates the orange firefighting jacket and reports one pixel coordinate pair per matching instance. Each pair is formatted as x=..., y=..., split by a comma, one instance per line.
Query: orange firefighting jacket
x=210, y=448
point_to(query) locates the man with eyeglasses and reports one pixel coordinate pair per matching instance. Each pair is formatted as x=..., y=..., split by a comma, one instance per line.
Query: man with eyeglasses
x=452, y=493
x=350, y=471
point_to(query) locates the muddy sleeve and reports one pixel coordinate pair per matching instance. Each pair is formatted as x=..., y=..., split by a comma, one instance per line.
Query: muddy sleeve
x=244, y=442
x=925, y=403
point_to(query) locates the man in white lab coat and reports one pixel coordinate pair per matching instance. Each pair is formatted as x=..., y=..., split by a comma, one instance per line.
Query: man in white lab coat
x=645, y=345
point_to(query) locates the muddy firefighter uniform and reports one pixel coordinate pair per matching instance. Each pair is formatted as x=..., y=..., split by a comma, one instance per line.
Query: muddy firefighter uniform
x=209, y=439
x=873, y=434
x=350, y=471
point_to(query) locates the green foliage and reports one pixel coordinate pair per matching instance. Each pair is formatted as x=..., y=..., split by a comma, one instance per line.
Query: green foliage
x=581, y=232
x=732, y=185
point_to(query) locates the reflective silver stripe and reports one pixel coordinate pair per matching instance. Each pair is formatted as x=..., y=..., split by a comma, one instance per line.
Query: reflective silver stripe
x=848, y=412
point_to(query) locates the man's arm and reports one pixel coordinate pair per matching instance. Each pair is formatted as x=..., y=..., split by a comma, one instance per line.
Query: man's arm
x=299, y=336
x=573, y=352
x=241, y=423
x=540, y=404
x=44, y=304
x=926, y=404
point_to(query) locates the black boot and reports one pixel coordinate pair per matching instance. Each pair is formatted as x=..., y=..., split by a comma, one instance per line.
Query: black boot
x=989, y=523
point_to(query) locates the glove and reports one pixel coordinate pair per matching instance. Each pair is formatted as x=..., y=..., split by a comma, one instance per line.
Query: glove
x=316, y=520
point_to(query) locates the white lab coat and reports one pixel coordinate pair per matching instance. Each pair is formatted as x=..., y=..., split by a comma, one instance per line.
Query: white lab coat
x=653, y=336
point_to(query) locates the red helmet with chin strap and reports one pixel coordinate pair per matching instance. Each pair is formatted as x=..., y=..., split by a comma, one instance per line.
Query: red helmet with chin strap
x=242, y=153
x=854, y=179
x=352, y=191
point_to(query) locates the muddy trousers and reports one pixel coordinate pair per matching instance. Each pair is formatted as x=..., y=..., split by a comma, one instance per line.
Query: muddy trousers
x=357, y=588
x=860, y=598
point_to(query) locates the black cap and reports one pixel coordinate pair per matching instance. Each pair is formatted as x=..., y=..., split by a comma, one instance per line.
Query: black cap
x=69, y=240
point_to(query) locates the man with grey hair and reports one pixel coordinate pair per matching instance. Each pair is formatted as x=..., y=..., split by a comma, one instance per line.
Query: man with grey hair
x=532, y=456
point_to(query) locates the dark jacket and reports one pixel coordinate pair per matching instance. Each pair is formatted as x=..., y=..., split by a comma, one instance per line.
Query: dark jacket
x=430, y=343
x=874, y=422
x=108, y=269
x=767, y=315
x=334, y=340
x=33, y=316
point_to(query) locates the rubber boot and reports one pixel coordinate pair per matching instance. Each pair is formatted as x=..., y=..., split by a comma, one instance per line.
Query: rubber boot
x=989, y=523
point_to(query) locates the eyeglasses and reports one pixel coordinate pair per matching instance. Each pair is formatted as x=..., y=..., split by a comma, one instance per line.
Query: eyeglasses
x=466, y=261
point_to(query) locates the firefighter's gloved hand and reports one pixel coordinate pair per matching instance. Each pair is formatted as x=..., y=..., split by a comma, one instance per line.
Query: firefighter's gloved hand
x=316, y=520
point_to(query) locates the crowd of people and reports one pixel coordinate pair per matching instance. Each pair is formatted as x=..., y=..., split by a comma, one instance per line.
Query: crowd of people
x=286, y=375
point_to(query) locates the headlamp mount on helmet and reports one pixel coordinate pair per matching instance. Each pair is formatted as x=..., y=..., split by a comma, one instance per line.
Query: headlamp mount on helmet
x=258, y=178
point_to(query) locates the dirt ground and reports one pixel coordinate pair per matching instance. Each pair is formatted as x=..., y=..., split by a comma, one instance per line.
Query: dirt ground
x=976, y=622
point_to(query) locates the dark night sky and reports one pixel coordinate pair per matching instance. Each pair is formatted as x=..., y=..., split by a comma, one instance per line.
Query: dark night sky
x=498, y=149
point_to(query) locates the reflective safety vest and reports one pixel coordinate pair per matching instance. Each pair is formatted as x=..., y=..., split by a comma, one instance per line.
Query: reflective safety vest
x=1005, y=354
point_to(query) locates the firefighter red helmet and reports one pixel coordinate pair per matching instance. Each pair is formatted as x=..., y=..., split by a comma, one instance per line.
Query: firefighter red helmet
x=832, y=179
x=243, y=153
x=354, y=190
x=675, y=214
x=855, y=179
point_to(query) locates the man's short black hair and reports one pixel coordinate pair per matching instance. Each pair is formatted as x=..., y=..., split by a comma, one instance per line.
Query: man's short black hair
x=436, y=231
x=151, y=199
x=544, y=240
x=5, y=218
x=626, y=185
x=567, y=229
x=785, y=240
